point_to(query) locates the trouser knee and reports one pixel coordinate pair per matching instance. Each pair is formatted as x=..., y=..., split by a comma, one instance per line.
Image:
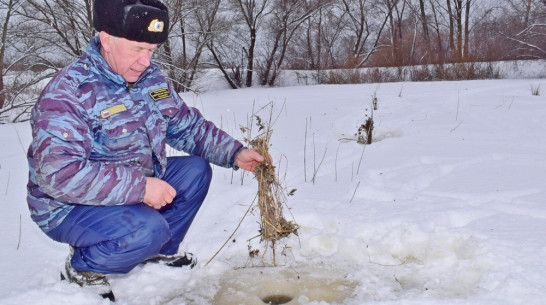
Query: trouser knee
x=189, y=175
x=152, y=233
x=140, y=233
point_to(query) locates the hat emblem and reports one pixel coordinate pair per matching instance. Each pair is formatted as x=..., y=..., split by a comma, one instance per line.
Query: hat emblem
x=156, y=26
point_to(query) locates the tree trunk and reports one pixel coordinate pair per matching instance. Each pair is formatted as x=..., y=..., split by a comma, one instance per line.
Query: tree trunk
x=271, y=59
x=424, y=23
x=451, y=26
x=250, y=64
x=230, y=81
x=467, y=30
x=2, y=51
x=459, y=29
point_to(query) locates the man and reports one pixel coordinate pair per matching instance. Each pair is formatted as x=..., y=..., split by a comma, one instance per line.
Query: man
x=99, y=177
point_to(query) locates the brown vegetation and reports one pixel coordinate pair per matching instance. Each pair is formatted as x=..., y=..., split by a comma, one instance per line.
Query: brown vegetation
x=252, y=41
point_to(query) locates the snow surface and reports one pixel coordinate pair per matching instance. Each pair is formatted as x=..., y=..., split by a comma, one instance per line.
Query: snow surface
x=447, y=206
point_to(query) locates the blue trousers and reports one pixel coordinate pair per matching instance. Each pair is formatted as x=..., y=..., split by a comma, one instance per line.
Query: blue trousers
x=115, y=239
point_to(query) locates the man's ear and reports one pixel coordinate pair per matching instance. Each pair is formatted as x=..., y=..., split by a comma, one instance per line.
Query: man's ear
x=106, y=40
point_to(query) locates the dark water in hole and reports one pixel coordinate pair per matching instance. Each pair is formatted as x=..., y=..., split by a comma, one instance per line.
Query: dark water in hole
x=277, y=299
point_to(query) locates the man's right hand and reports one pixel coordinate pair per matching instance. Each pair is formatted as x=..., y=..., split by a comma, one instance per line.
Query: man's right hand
x=158, y=193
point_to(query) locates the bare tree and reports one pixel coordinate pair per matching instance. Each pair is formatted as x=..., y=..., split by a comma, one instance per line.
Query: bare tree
x=192, y=26
x=253, y=13
x=233, y=45
x=8, y=7
x=455, y=15
x=454, y=21
x=317, y=45
x=459, y=15
x=436, y=25
x=396, y=19
x=43, y=36
x=287, y=17
x=22, y=68
x=524, y=9
x=65, y=25
x=243, y=37
x=330, y=28
x=530, y=32
x=367, y=20
x=224, y=46
x=424, y=22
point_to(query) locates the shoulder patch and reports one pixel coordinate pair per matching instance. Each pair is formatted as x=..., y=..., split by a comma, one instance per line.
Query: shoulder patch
x=108, y=112
x=159, y=94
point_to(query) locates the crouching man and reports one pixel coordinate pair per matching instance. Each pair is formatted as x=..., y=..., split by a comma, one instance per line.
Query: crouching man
x=99, y=177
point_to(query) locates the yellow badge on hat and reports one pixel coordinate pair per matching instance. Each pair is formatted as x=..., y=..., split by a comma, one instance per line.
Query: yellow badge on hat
x=156, y=26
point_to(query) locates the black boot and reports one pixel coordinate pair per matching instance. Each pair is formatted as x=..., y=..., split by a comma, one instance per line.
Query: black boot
x=93, y=280
x=177, y=260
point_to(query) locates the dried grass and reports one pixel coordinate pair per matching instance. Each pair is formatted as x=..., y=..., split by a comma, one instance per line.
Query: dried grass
x=271, y=194
x=273, y=226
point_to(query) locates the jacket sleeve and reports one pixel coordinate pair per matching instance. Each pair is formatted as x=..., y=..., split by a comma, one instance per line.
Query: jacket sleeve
x=61, y=149
x=189, y=131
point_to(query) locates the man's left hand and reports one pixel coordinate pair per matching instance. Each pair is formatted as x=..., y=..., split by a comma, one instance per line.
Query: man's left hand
x=248, y=159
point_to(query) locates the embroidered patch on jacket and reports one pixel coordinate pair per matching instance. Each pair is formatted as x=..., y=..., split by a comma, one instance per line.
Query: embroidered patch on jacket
x=160, y=94
x=108, y=112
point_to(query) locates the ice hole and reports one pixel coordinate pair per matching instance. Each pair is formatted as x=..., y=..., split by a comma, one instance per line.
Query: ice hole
x=286, y=286
x=277, y=299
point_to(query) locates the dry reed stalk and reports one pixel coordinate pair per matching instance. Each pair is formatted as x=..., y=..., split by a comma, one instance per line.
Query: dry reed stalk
x=270, y=197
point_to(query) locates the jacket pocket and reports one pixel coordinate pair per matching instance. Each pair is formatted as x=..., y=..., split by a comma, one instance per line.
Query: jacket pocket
x=168, y=107
x=118, y=137
x=65, y=132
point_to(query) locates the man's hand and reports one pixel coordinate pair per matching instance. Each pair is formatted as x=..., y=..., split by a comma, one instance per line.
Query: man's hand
x=158, y=193
x=248, y=159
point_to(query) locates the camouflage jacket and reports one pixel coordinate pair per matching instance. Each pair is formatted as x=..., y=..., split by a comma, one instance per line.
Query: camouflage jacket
x=96, y=139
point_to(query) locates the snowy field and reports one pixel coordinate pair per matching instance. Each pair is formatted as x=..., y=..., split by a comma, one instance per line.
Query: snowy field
x=446, y=206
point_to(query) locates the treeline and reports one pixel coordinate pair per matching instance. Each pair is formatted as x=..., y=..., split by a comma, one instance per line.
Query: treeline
x=252, y=41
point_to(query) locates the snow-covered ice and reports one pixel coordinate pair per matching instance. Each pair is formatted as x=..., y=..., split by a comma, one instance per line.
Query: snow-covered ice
x=446, y=206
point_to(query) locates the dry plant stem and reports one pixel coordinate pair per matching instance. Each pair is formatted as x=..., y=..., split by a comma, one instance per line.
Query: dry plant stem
x=319, y=165
x=7, y=184
x=458, y=104
x=19, y=138
x=335, y=163
x=535, y=90
x=20, y=225
x=511, y=103
x=360, y=161
x=314, y=159
x=270, y=197
x=231, y=236
x=352, y=171
x=305, y=153
x=354, y=193
x=270, y=191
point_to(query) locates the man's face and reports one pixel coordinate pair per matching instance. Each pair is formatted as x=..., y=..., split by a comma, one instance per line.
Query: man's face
x=126, y=57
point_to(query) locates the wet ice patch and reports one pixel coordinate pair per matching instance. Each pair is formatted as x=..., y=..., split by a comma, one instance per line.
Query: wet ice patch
x=394, y=263
x=389, y=262
x=281, y=285
x=386, y=134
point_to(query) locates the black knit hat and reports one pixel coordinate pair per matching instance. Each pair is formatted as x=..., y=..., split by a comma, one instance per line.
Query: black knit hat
x=137, y=20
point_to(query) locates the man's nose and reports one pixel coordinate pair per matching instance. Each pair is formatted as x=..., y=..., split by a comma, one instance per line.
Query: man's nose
x=145, y=58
